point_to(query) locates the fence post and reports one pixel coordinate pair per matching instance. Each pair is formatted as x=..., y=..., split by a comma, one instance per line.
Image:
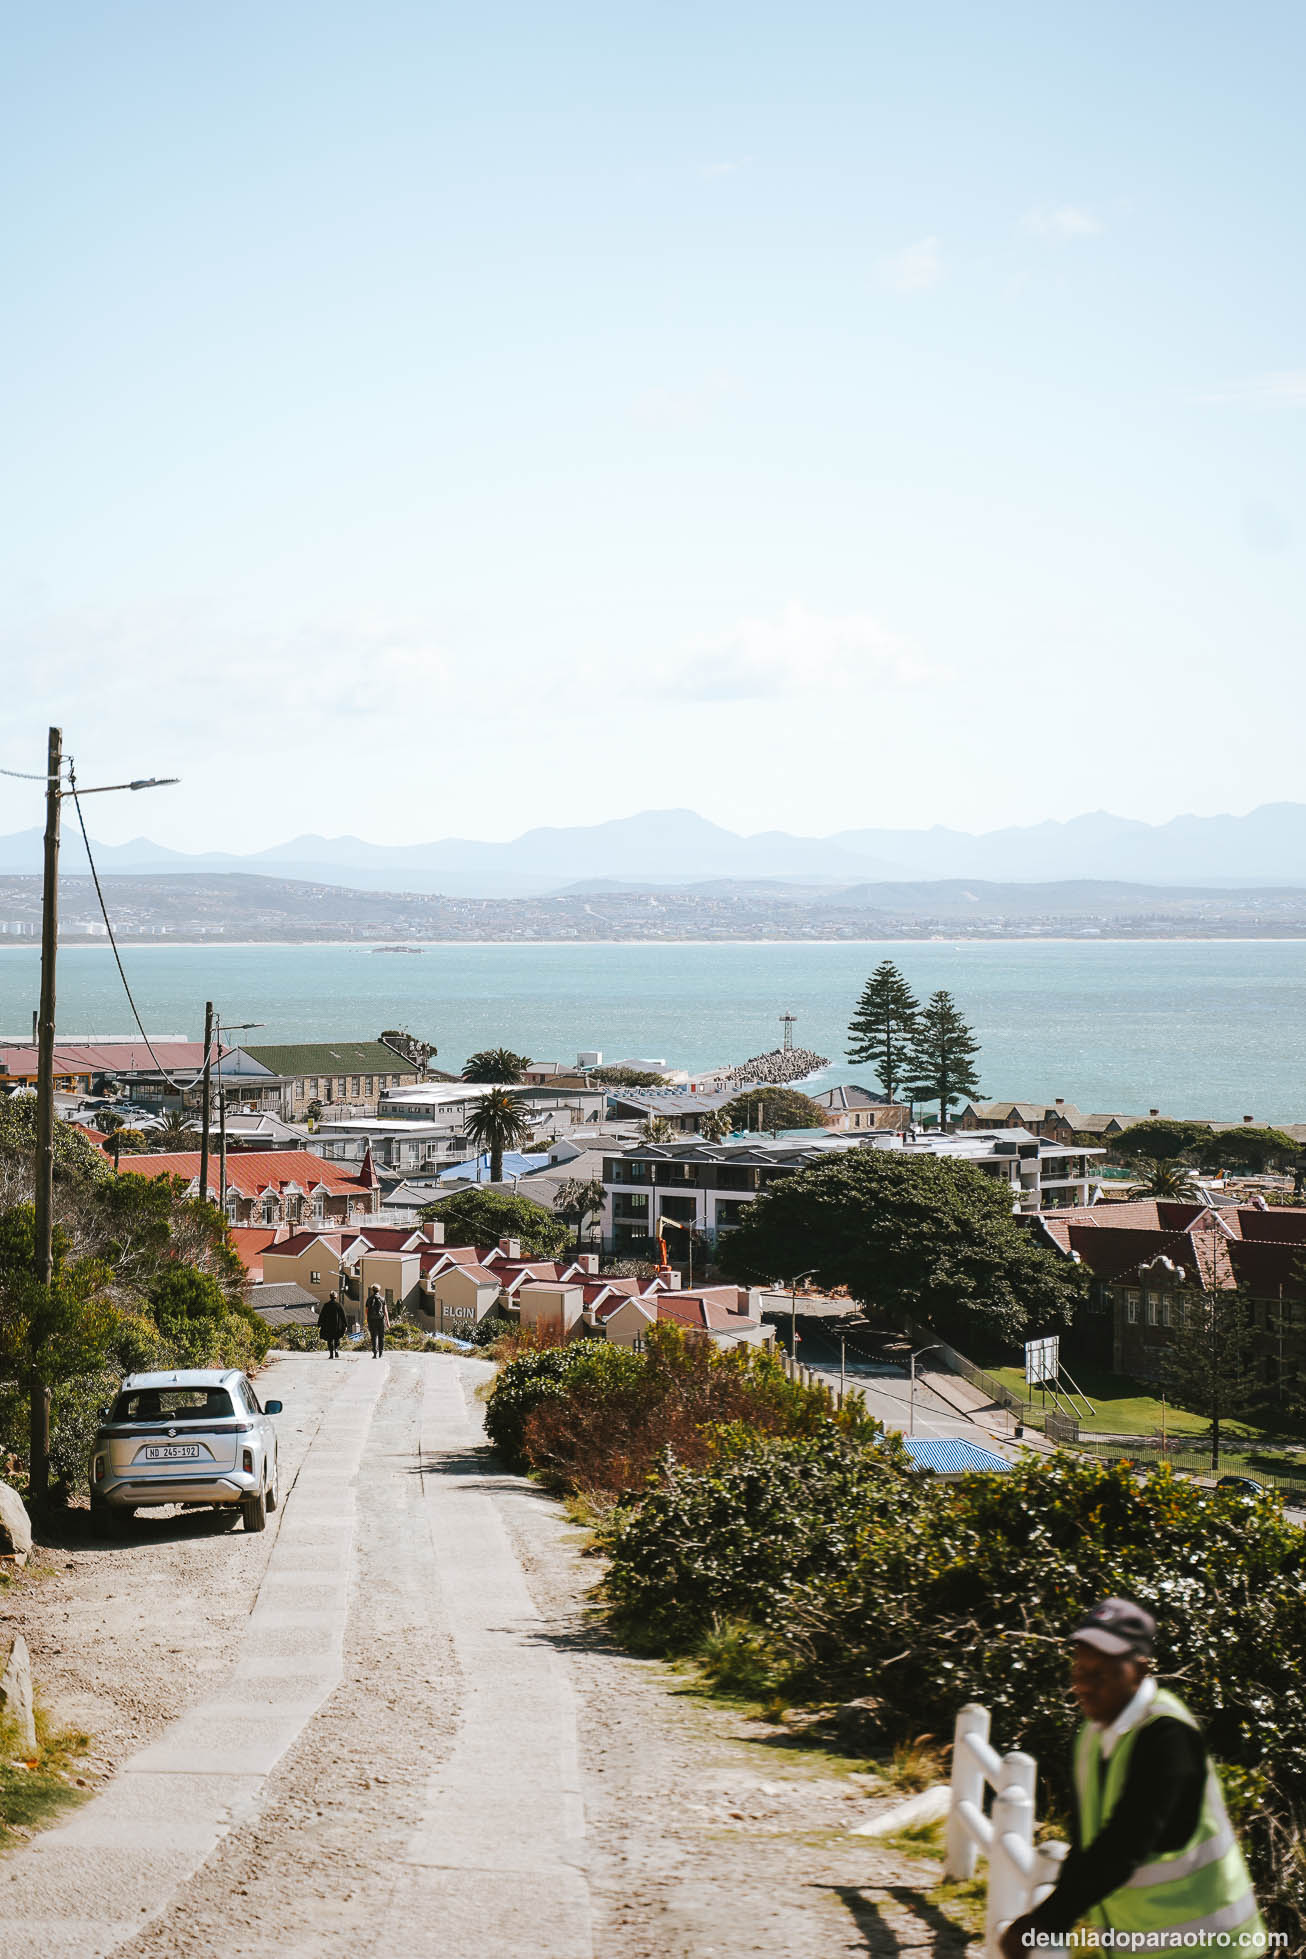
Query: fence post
x=967, y=1787
x=1013, y=1816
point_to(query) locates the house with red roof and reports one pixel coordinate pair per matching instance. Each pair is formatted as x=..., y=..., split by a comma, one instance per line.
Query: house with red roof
x=270, y=1187
x=1151, y=1261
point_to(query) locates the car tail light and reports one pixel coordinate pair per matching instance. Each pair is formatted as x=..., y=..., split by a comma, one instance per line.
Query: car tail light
x=247, y=1461
x=99, y=1469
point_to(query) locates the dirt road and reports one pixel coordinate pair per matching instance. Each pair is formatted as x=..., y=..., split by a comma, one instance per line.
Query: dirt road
x=389, y=1727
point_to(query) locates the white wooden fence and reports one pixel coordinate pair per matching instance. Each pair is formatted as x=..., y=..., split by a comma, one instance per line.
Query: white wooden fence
x=1021, y=1873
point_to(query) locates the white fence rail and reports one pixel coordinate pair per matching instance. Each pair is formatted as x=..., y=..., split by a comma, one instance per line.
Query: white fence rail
x=1021, y=1873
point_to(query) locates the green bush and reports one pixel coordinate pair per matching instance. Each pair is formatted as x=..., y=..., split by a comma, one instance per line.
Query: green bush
x=925, y=1595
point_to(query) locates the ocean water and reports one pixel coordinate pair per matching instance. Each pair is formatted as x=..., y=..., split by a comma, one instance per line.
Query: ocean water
x=1214, y=1028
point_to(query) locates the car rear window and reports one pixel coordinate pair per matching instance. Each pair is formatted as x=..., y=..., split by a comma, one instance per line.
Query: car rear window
x=173, y=1405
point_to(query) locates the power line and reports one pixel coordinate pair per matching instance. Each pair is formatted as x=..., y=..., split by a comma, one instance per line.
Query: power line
x=108, y=926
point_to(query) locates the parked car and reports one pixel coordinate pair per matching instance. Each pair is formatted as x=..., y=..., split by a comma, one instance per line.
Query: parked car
x=1248, y=1484
x=196, y=1436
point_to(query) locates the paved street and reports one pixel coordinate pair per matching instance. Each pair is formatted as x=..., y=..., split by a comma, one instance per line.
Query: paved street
x=396, y=1731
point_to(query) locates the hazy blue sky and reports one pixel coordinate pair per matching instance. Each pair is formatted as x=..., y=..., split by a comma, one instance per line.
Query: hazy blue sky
x=426, y=420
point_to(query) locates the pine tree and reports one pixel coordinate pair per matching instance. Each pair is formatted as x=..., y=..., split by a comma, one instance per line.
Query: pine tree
x=883, y=1028
x=1211, y=1368
x=943, y=1056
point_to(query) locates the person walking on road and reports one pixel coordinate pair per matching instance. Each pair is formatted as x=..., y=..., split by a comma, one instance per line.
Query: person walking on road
x=1154, y=1857
x=331, y=1325
x=378, y=1321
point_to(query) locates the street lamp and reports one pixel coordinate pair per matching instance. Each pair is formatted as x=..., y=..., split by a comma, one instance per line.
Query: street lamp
x=43, y=1194
x=933, y=1348
x=793, y=1312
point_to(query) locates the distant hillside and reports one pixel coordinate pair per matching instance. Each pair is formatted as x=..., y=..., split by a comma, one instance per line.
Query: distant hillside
x=677, y=847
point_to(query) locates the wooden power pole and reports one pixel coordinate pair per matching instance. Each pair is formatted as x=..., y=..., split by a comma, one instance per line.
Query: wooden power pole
x=39, y=1426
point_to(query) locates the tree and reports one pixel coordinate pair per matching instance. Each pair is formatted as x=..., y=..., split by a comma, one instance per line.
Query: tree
x=77, y=1161
x=479, y=1216
x=656, y=1129
x=1211, y=1368
x=883, y=1029
x=943, y=1056
x=495, y=1065
x=766, y=1109
x=908, y=1233
x=496, y=1123
x=177, y=1131
x=1248, y=1148
x=1160, y=1137
x=715, y=1126
x=1166, y=1177
x=50, y=1335
x=578, y=1198
x=128, y=1142
x=625, y=1078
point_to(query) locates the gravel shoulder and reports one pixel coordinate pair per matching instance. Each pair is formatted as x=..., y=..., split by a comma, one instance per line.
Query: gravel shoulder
x=492, y=1777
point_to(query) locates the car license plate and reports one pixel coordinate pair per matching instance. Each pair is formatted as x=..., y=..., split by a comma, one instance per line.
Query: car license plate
x=171, y=1452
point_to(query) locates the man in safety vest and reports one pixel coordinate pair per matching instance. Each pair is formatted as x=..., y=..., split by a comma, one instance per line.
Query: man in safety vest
x=1153, y=1853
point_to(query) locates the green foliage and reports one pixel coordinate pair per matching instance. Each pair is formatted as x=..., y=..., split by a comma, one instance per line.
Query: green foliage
x=498, y=1122
x=494, y=1326
x=904, y=1233
x=1166, y=1177
x=766, y=1109
x=1160, y=1137
x=942, y=1061
x=1249, y=1148
x=578, y=1198
x=76, y=1159
x=495, y=1065
x=883, y=1028
x=924, y=1595
x=1212, y=1368
x=741, y=1538
x=656, y=1129
x=50, y=1335
x=477, y=1216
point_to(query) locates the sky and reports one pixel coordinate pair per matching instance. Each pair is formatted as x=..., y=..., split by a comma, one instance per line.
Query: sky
x=424, y=420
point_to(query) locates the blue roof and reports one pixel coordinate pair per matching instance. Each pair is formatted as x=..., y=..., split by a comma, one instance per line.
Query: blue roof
x=477, y=1168
x=952, y=1455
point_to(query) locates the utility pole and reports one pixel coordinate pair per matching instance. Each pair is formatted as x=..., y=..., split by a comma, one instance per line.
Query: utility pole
x=39, y=1423
x=204, y=1101
x=38, y=1467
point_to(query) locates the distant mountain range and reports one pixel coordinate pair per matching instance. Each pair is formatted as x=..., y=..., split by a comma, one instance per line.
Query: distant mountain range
x=676, y=847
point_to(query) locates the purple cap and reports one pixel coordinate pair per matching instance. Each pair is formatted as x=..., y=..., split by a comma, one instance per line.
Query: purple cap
x=1117, y=1625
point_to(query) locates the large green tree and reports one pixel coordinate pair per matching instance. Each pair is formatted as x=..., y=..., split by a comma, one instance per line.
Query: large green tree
x=883, y=1028
x=1158, y=1136
x=496, y=1123
x=943, y=1056
x=907, y=1232
x=1248, y=1148
x=477, y=1215
x=495, y=1065
x=766, y=1109
x=1211, y=1368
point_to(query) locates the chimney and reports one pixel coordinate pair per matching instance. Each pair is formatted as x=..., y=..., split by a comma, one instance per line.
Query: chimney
x=1249, y=1118
x=1154, y=1112
x=1061, y=1101
x=588, y=1262
x=510, y=1247
x=434, y=1231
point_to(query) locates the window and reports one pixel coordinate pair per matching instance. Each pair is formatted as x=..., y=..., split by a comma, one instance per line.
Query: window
x=270, y=1207
x=1153, y=1308
x=1131, y=1308
x=319, y=1208
x=353, y=1086
x=315, y=1278
x=233, y=1210
x=1169, y=1308
x=313, y=1086
x=370, y=1088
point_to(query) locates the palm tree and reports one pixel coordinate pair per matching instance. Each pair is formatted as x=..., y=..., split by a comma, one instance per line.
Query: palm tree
x=495, y=1065
x=715, y=1126
x=177, y=1131
x=655, y=1129
x=579, y=1198
x=1167, y=1177
x=498, y=1122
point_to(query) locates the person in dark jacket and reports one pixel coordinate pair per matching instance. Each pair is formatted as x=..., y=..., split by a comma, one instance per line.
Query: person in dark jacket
x=1153, y=1857
x=378, y=1321
x=331, y=1325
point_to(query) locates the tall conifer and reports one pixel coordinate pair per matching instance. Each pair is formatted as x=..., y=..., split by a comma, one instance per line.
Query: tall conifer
x=883, y=1028
x=943, y=1056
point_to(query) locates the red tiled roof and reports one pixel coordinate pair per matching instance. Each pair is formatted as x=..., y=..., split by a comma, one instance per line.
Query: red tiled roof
x=254, y=1171
x=299, y=1241
x=251, y=1242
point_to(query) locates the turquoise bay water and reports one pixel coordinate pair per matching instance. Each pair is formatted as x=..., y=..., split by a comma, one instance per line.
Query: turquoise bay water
x=1214, y=1029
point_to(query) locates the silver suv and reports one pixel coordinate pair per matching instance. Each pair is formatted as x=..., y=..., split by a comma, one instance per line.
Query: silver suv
x=196, y=1436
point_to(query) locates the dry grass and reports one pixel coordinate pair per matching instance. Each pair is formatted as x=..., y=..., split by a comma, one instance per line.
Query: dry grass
x=915, y=1765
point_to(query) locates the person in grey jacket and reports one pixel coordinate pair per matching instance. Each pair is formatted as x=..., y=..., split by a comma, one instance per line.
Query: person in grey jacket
x=378, y=1321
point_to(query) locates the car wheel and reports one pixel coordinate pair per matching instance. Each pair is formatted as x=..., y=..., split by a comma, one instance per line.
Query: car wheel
x=254, y=1511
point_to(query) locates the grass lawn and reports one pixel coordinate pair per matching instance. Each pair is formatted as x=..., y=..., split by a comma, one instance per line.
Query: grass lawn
x=1124, y=1407
x=33, y=1791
